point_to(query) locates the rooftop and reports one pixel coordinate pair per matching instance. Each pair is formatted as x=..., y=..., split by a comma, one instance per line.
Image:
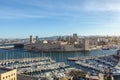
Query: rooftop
x=3, y=70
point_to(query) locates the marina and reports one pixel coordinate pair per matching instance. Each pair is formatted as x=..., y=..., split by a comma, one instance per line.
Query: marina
x=56, y=65
x=38, y=67
x=99, y=64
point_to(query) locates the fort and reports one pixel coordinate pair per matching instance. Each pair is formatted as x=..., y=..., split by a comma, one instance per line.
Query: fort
x=71, y=43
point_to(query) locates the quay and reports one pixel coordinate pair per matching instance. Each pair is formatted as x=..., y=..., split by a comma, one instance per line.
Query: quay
x=86, y=57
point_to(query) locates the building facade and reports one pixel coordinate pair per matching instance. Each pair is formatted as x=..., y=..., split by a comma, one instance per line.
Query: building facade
x=6, y=74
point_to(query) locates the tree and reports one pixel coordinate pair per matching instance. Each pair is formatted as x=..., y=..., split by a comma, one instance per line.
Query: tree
x=77, y=74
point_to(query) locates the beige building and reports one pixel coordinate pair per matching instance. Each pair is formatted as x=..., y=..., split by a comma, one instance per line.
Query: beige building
x=6, y=74
x=86, y=45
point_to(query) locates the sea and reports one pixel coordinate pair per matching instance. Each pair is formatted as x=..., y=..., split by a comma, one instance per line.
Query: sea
x=57, y=56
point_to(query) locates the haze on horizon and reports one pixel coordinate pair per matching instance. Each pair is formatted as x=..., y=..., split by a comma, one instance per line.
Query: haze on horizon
x=19, y=19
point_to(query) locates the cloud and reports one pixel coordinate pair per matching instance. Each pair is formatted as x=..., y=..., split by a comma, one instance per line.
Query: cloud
x=103, y=5
x=13, y=14
x=53, y=8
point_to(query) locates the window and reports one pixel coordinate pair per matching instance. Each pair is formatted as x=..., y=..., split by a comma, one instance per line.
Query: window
x=3, y=77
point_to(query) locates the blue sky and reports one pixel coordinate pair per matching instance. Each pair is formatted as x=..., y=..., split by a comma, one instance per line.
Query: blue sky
x=21, y=18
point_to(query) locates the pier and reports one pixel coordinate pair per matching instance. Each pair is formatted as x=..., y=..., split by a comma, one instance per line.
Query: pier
x=11, y=45
x=85, y=57
x=24, y=60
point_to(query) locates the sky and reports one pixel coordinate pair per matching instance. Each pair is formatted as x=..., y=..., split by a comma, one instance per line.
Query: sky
x=43, y=18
